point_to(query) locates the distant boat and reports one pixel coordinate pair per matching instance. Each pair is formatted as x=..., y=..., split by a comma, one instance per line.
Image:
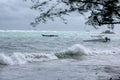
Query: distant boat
x=98, y=38
x=47, y=35
x=108, y=32
x=95, y=40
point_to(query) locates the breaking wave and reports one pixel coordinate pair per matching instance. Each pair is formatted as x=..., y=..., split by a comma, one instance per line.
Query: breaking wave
x=76, y=51
x=12, y=59
x=23, y=58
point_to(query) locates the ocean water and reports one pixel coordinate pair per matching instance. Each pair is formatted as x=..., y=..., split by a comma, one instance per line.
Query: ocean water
x=27, y=55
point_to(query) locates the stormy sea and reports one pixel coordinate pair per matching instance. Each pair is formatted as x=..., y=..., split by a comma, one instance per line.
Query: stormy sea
x=59, y=55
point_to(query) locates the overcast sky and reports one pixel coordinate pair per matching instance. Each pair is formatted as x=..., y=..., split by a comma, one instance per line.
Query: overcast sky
x=17, y=15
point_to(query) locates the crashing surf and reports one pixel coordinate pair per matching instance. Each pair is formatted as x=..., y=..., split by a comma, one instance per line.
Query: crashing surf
x=75, y=52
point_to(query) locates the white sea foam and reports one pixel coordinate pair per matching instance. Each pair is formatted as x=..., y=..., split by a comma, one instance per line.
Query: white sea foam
x=33, y=57
x=5, y=60
x=78, y=50
x=18, y=58
x=75, y=51
x=15, y=58
x=21, y=31
x=23, y=58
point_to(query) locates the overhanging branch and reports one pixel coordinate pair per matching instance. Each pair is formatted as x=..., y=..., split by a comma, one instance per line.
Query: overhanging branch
x=102, y=23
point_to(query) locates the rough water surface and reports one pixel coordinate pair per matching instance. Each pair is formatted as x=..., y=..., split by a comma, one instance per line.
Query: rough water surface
x=27, y=55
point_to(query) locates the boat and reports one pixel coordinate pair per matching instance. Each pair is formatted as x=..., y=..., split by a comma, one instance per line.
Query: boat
x=95, y=40
x=98, y=38
x=108, y=32
x=49, y=35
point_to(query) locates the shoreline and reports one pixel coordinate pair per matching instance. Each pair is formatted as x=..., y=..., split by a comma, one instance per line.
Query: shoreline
x=65, y=69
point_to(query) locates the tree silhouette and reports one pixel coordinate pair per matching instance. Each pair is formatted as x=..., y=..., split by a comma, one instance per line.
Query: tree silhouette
x=101, y=12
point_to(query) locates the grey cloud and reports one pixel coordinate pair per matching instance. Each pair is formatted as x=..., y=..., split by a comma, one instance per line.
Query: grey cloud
x=16, y=14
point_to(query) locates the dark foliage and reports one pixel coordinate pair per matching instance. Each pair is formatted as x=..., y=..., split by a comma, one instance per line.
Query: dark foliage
x=102, y=12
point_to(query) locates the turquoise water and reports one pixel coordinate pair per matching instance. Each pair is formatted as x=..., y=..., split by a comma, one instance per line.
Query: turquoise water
x=27, y=55
x=11, y=42
x=19, y=47
x=34, y=42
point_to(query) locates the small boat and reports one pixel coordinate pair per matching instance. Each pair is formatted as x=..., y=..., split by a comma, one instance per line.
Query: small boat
x=108, y=32
x=46, y=35
x=95, y=40
x=98, y=38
